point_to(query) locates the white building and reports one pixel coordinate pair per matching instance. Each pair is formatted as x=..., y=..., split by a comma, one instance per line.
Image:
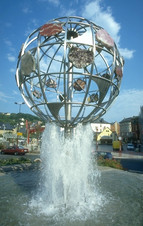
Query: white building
x=100, y=125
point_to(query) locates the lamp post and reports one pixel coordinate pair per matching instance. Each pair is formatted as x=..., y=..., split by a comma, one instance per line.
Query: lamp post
x=3, y=128
x=19, y=105
x=19, y=122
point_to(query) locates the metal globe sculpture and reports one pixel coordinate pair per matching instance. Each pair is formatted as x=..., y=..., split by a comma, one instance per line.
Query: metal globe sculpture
x=69, y=71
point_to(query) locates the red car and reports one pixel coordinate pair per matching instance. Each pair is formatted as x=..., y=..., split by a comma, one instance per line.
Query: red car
x=15, y=150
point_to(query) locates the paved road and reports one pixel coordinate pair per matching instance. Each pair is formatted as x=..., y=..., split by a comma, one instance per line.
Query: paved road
x=124, y=154
x=131, y=161
x=132, y=165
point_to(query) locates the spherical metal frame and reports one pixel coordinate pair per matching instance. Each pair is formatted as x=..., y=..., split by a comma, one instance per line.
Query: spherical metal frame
x=71, y=74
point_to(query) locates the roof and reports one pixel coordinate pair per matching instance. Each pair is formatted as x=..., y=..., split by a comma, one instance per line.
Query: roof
x=6, y=126
x=128, y=119
x=101, y=121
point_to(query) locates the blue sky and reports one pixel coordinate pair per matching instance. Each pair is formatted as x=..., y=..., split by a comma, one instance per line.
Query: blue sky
x=122, y=20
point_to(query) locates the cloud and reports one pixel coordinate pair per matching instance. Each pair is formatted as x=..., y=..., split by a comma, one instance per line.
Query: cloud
x=8, y=43
x=26, y=10
x=11, y=58
x=54, y=2
x=9, y=46
x=12, y=70
x=11, y=50
x=8, y=24
x=127, y=104
x=126, y=53
x=15, y=92
x=104, y=18
x=68, y=12
x=32, y=24
x=4, y=97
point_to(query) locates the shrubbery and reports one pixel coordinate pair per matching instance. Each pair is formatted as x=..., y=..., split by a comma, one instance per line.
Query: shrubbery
x=100, y=161
x=1, y=146
x=12, y=161
x=110, y=163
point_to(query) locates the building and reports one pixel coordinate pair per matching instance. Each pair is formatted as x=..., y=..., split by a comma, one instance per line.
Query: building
x=100, y=125
x=7, y=133
x=135, y=129
x=6, y=128
x=105, y=137
x=115, y=128
x=129, y=129
x=141, y=124
x=126, y=129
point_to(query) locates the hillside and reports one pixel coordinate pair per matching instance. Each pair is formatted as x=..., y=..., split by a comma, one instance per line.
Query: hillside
x=13, y=118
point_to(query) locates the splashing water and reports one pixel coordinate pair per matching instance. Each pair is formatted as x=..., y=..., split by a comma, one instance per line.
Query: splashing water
x=69, y=176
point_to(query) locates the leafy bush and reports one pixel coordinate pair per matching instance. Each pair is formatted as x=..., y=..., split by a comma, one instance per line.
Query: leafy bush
x=110, y=163
x=1, y=146
x=12, y=161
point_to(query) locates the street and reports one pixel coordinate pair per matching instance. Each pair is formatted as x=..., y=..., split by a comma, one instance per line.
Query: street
x=130, y=160
x=132, y=165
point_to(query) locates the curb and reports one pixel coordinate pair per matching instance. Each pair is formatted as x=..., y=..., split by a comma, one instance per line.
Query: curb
x=19, y=167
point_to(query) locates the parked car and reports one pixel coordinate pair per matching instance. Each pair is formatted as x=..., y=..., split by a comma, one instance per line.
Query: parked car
x=105, y=155
x=15, y=150
x=130, y=146
x=108, y=155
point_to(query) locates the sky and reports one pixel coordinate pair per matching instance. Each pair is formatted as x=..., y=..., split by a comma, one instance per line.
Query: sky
x=122, y=20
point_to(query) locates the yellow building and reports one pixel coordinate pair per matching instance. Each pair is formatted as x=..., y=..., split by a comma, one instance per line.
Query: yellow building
x=105, y=137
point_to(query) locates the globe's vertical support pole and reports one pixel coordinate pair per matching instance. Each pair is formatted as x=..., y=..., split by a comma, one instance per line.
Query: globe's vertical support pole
x=68, y=129
x=70, y=89
x=69, y=96
x=68, y=132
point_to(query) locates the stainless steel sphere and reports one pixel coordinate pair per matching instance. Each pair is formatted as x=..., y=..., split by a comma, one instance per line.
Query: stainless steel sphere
x=69, y=71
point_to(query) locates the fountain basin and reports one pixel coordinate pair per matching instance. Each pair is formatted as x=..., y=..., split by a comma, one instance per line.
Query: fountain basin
x=121, y=204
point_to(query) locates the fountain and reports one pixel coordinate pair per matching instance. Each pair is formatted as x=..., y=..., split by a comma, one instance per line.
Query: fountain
x=69, y=72
x=68, y=187
x=116, y=200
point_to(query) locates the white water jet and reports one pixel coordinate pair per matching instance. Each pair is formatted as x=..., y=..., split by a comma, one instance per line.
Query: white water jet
x=69, y=174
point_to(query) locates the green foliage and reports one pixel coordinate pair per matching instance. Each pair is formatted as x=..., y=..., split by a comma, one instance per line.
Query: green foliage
x=1, y=146
x=12, y=161
x=110, y=163
x=13, y=119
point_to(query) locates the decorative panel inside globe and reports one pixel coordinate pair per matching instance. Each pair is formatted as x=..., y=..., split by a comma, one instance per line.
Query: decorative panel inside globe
x=69, y=71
